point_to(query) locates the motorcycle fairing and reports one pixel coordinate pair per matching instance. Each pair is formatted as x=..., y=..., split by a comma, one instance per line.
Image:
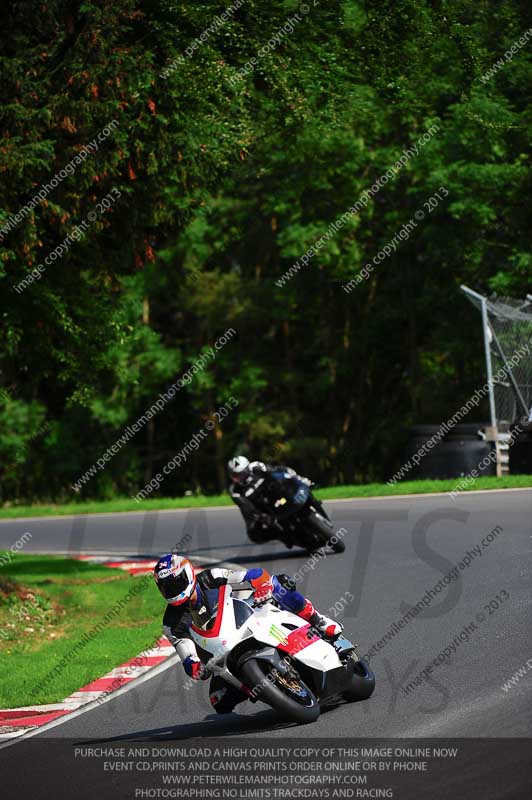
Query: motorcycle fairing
x=268, y=625
x=270, y=635
x=284, y=630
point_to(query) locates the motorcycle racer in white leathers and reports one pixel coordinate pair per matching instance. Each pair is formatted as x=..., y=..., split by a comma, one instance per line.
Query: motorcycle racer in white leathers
x=182, y=589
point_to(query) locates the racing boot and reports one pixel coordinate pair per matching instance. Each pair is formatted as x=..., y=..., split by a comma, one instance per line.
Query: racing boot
x=325, y=625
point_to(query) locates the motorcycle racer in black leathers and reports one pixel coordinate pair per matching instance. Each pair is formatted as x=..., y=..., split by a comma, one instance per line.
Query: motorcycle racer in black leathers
x=251, y=482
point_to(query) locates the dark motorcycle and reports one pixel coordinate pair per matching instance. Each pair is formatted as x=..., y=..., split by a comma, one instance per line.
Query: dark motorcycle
x=290, y=509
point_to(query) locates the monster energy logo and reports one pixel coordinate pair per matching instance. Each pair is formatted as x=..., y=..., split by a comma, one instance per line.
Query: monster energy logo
x=278, y=634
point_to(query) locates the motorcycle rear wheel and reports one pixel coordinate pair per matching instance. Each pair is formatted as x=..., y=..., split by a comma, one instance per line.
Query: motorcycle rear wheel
x=303, y=710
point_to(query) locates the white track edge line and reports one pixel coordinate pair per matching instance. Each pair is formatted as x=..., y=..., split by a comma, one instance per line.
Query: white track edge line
x=423, y=494
x=101, y=514
x=233, y=508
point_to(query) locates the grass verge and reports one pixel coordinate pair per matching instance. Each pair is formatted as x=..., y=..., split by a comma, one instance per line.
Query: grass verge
x=48, y=604
x=204, y=501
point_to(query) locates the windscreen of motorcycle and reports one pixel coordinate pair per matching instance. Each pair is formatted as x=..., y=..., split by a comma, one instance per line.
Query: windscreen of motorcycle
x=204, y=617
x=243, y=612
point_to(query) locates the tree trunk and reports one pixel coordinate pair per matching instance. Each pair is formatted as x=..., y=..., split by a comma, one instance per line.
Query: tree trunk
x=150, y=427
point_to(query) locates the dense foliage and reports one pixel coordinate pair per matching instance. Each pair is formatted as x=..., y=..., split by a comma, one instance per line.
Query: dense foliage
x=225, y=180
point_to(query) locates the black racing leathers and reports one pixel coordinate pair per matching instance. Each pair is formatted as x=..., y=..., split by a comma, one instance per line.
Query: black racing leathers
x=255, y=499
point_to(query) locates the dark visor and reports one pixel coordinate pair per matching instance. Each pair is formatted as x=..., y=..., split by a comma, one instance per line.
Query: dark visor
x=173, y=585
x=239, y=477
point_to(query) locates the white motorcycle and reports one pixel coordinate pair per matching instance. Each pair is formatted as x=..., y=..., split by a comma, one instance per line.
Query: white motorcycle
x=273, y=656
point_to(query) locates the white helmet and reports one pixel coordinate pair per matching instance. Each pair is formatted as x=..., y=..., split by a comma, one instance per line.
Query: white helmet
x=239, y=469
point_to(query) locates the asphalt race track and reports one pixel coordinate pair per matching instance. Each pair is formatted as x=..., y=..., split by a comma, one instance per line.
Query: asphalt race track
x=396, y=549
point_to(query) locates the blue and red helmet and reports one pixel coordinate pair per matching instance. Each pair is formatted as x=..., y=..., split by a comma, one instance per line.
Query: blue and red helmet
x=175, y=578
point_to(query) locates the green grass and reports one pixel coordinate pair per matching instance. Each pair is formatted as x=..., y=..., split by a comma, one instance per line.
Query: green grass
x=203, y=501
x=112, y=506
x=47, y=603
x=423, y=487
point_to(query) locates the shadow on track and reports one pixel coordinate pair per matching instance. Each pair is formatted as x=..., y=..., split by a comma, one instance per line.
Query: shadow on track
x=265, y=558
x=212, y=726
x=282, y=554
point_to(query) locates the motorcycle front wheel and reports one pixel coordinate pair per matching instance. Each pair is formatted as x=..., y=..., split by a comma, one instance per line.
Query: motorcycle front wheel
x=323, y=532
x=287, y=694
x=362, y=683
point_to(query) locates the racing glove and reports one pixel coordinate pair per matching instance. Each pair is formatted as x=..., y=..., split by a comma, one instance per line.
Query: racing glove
x=262, y=588
x=195, y=669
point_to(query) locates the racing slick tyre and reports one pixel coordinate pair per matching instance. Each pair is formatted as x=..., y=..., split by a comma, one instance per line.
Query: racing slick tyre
x=362, y=682
x=322, y=529
x=286, y=694
x=336, y=545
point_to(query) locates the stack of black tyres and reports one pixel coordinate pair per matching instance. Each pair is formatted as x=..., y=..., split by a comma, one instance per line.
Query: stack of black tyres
x=521, y=452
x=457, y=454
